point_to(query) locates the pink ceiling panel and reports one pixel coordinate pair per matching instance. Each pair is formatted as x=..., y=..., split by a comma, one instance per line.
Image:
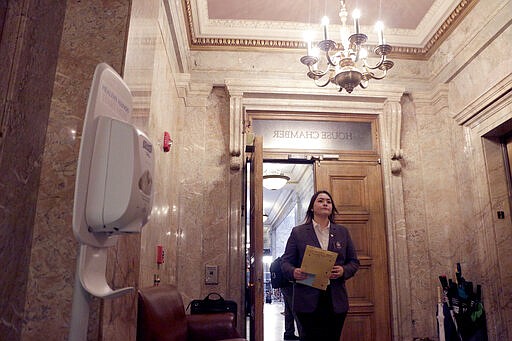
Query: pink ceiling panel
x=404, y=14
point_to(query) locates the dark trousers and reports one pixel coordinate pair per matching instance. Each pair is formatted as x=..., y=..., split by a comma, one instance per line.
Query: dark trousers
x=289, y=315
x=322, y=324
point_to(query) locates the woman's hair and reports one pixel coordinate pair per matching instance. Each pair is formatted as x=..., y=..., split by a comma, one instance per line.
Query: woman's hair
x=310, y=214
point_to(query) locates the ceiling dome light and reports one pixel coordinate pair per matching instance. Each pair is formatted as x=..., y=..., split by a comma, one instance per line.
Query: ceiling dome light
x=265, y=217
x=275, y=181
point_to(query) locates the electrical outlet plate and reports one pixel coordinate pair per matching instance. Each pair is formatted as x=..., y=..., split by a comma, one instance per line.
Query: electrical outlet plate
x=211, y=274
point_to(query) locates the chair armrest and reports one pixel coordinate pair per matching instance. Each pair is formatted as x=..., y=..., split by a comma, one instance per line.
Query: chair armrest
x=211, y=327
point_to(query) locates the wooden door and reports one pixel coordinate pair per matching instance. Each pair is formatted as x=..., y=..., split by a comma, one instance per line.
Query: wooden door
x=256, y=241
x=356, y=188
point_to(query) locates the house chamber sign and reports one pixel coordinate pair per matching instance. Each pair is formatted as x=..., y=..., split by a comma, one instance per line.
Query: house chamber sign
x=314, y=135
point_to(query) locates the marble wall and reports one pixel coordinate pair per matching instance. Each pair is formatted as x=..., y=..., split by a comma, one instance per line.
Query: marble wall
x=84, y=44
x=157, y=110
x=483, y=110
x=437, y=237
x=204, y=196
x=449, y=168
x=29, y=59
x=192, y=215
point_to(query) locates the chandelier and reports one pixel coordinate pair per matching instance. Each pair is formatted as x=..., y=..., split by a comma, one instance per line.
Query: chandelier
x=345, y=64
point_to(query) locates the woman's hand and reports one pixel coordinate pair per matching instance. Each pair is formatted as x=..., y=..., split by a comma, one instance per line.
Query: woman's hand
x=299, y=275
x=336, y=272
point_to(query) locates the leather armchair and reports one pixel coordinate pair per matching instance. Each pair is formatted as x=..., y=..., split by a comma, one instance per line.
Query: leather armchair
x=161, y=317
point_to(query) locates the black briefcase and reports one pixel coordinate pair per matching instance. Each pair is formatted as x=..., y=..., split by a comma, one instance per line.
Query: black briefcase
x=212, y=304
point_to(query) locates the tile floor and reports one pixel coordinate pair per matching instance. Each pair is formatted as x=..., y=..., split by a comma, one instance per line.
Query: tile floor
x=273, y=323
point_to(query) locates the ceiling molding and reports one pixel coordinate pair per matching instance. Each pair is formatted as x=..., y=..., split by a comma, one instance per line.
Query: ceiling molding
x=202, y=42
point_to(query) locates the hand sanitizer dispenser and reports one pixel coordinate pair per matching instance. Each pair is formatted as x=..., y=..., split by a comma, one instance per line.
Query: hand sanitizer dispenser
x=119, y=197
x=113, y=189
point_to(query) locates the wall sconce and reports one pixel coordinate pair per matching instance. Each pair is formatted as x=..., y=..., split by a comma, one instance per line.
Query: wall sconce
x=275, y=181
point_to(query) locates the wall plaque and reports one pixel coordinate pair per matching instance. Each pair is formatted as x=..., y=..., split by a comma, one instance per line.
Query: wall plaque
x=314, y=135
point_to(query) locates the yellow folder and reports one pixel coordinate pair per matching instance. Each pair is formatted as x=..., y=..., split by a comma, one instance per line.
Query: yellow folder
x=317, y=263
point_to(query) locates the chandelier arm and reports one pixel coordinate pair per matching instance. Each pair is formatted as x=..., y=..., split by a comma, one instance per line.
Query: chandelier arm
x=321, y=85
x=384, y=74
x=382, y=59
x=317, y=73
x=382, y=50
x=329, y=60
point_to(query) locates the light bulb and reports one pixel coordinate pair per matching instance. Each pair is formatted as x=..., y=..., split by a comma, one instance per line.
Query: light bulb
x=379, y=27
x=356, y=14
x=325, y=23
x=308, y=36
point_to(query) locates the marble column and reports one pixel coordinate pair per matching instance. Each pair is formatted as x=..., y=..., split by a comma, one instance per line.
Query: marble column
x=390, y=126
x=94, y=31
x=29, y=58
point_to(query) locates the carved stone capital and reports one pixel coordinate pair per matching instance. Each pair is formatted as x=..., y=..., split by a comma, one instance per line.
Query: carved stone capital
x=393, y=116
x=235, y=127
x=194, y=94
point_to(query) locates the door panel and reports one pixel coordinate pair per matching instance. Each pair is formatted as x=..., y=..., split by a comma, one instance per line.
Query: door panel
x=356, y=188
x=256, y=241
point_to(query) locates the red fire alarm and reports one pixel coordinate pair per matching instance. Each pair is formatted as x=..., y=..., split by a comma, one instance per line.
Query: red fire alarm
x=159, y=254
x=167, y=142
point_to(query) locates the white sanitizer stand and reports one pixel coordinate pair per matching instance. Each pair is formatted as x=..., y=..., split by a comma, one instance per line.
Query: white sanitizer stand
x=113, y=190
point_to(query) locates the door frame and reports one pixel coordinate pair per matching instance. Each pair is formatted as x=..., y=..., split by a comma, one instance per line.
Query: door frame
x=255, y=252
x=372, y=156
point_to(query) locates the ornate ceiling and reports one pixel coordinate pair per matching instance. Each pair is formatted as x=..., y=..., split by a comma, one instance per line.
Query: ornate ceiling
x=413, y=28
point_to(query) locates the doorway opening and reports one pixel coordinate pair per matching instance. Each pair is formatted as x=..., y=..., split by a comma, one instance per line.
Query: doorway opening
x=283, y=209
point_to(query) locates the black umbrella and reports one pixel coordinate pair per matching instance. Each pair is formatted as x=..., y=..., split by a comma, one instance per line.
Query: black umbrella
x=463, y=310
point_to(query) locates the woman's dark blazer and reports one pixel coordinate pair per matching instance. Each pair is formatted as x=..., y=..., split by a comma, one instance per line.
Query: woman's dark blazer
x=306, y=297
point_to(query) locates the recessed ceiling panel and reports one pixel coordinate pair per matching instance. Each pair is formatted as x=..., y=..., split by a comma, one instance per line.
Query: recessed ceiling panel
x=395, y=13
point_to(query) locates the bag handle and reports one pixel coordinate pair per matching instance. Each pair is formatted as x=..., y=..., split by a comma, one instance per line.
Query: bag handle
x=220, y=298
